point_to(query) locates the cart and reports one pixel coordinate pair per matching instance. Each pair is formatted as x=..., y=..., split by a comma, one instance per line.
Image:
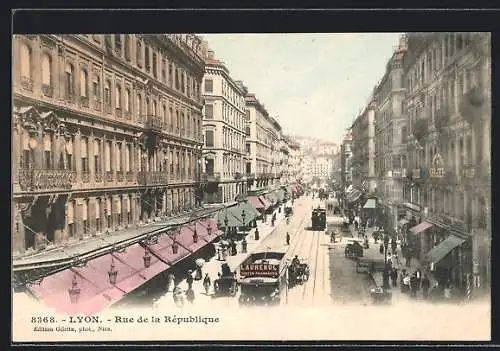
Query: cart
x=225, y=286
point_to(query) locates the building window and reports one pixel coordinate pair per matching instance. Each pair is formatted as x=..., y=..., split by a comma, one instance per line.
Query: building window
x=127, y=100
x=247, y=115
x=107, y=156
x=154, y=108
x=170, y=74
x=127, y=47
x=69, y=83
x=118, y=96
x=148, y=62
x=209, y=111
x=148, y=107
x=183, y=83
x=163, y=71
x=139, y=53
x=46, y=74
x=155, y=67
x=164, y=114
x=139, y=107
x=118, y=44
x=247, y=146
x=83, y=83
x=209, y=85
x=84, y=155
x=25, y=62
x=247, y=130
x=209, y=138
x=97, y=88
x=97, y=159
x=107, y=93
x=177, y=79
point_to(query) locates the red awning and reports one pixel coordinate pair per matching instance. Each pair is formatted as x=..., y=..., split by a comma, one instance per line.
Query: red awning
x=163, y=250
x=185, y=238
x=133, y=256
x=419, y=228
x=265, y=202
x=212, y=223
x=53, y=292
x=254, y=200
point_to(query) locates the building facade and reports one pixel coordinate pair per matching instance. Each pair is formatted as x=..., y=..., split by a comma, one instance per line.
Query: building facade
x=262, y=144
x=363, y=150
x=295, y=162
x=346, y=160
x=449, y=112
x=224, y=129
x=390, y=131
x=106, y=134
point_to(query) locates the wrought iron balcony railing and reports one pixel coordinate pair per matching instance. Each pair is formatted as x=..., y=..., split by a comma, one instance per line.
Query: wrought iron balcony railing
x=154, y=123
x=250, y=175
x=152, y=178
x=45, y=179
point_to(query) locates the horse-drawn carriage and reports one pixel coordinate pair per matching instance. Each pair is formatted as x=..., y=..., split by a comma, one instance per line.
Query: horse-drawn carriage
x=225, y=286
x=354, y=249
x=298, y=273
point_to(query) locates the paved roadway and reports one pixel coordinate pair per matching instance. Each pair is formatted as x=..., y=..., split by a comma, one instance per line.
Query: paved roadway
x=333, y=278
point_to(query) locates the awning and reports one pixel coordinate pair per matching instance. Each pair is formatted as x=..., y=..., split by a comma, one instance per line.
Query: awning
x=265, y=202
x=439, y=252
x=254, y=200
x=272, y=197
x=233, y=214
x=133, y=256
x=412, y=207
x=403, y=221
x=250, y=211
x=164, y=251
x=186, y=237
x=370, y=203
x=419, y=228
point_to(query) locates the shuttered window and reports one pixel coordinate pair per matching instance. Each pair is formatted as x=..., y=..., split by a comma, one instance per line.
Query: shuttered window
x=69, y=218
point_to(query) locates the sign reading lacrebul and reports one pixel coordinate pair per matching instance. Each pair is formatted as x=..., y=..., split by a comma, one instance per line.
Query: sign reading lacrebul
x=437, y=167
x=259, y=270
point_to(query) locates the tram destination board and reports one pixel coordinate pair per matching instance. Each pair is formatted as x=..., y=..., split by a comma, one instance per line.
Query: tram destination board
x=259, y=270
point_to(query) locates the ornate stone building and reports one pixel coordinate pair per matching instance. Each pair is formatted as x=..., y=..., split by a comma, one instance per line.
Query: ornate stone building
x=106, y=132
x=224, y=129
x=449, y=112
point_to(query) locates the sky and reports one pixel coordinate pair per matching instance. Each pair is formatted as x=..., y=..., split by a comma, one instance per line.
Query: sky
x=313, y=84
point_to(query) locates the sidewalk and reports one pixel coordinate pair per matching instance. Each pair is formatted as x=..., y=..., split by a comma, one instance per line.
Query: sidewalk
x=213, y=267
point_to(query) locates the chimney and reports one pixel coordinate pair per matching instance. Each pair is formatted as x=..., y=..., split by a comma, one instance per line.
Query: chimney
x=210, y=54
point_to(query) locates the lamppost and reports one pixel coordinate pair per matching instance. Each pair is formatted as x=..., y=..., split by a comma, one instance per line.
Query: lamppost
x=74, y=291
x=244, y=241
x=195, y=234
x=112, y=273
x=386, y=284
x=146, y=258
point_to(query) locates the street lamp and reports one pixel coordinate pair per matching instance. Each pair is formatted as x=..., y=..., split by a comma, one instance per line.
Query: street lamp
x=112, y=273
x=146, y=258
x=175, y=246
x=74, y=292
x=195, y=234
x=243, y=216
x=226, y=223
x=209, y=229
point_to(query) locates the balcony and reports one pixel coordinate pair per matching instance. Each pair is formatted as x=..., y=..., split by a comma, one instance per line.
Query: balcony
x=45, y=179
x=399, y=173
x=27, y=83
x=154, y=124
x=47, y=90
x=250, y=175
x=152, y=178
x=210, y=177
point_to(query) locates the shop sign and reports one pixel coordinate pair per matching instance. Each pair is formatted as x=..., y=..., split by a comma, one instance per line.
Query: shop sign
x=259, y=270
x=437, y=167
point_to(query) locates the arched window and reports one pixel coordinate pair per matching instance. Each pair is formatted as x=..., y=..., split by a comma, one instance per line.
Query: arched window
x=25, y=61
x=69, y=84
x=164, y=114
x=107, y=93
x=118, y=96
x=83, y=83
x=139, y=53
x=46, y=70
x=127, y=100
x=154, y=108
x=148, y=107
x=127, y=46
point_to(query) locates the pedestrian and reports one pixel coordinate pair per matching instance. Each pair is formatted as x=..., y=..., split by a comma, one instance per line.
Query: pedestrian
x=426, y=284
x=189, y=279
x=413, y=286
x=190, y=295
x=418, y=274
x=356, y=224
x=394, y=277
x=287, y=238
x=408, y=259
x=381, y=248
x=170, y=281
x=394, y=245
x=206, y=283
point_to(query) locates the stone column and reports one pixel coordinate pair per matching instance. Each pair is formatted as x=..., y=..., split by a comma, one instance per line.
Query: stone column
x=76, y=154
x=164, y=202
x=114, y=214
x=124, y=199
x=65, y=233
x=77, y=219
x=39, y=150
x=113, y=155
x=92, y=215
x=123, y=158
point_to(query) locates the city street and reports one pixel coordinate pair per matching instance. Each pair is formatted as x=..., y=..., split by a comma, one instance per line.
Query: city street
x=333, y=278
